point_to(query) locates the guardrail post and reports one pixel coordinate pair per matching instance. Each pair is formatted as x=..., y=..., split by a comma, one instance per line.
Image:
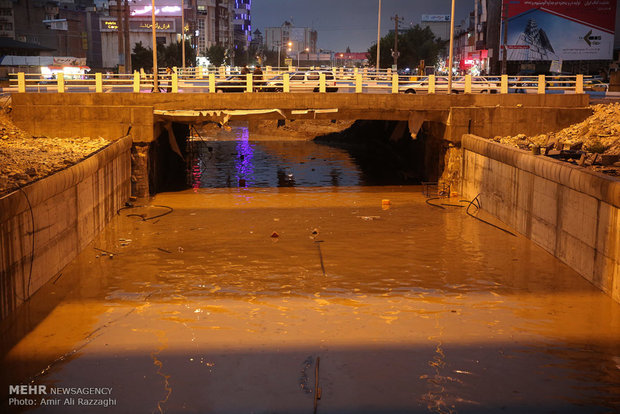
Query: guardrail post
x=358, y=83
x=541, y=84
x=467, y=83
x=61, y=82
x=98, y=83
x=286, y=87
x=248, y=82
x=504, y=84
x=222, y=71
x=136, y=81
x=431, y=83
x=290, y=68
x=21, y=82
x=395, y=83
x=175, y=83
x=579, y=84
x=211, y=82
x=322, y=82
x=355, y=70
x=199, y=72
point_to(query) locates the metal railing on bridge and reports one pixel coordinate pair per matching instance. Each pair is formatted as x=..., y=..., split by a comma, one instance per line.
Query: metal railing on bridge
x=291, y=80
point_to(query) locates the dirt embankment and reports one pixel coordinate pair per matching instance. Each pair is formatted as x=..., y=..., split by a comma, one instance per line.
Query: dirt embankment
x=25, y=158
x=593, y=143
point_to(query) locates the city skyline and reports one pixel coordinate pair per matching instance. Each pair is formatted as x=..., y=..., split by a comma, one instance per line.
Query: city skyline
x=333, y=27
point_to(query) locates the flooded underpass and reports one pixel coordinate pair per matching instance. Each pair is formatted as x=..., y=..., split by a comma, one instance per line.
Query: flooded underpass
x=281, y=276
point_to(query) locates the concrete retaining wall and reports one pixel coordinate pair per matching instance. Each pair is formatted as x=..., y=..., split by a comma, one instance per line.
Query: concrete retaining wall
x=58, y=215
x=569, y=211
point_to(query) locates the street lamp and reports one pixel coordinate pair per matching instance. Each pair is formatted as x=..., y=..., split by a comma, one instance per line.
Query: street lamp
x=183, y=33
x=379, y=36
x=155, y=83
x=451, y=50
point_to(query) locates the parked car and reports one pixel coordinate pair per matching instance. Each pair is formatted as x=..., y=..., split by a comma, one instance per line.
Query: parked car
x=234, y=83
x=302, y=82
x=478, y=85
x=595, y=85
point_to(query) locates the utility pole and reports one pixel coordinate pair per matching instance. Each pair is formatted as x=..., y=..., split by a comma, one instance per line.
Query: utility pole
x=183, y=33
x=126, y=36
x=505, y=30
x=451, y=55
x=217, y=22
x=154, y=30
x=395, y=52
x=119, y=31
x=379, y=37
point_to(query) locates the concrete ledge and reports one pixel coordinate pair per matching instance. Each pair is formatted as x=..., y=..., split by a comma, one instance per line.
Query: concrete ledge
x=597, y=185
x=58, y=215
x=97, y=120
x=571, y=212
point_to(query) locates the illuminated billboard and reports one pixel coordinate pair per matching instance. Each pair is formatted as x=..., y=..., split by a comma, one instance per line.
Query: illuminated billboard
x=166, y=25
x=560, y=30
x=142, y=8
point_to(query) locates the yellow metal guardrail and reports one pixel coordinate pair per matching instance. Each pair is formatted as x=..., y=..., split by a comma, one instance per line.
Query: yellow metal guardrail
x=353, y=80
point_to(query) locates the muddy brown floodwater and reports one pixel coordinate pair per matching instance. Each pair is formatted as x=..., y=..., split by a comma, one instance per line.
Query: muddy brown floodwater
x=410, y=308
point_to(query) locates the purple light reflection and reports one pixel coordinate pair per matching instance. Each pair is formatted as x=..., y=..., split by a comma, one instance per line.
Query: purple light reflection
x=245, y=154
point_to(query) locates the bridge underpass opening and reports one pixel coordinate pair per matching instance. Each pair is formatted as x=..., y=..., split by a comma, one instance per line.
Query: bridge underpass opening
x=292, y=153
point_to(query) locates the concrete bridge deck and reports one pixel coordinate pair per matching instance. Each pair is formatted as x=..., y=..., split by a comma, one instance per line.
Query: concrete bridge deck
x=111, y=115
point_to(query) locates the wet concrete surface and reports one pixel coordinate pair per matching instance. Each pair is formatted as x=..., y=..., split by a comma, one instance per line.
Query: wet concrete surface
x=224, y=303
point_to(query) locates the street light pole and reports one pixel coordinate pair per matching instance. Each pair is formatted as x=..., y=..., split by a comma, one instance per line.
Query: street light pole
x=379, y=36
x=155, y=83
x=505, y=30
x=451, y=49
x=183, y=33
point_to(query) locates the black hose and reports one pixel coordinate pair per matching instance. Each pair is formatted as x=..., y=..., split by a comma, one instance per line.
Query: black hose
x=428, y=201
x=484, y=221
x=32, y=249
x=142, y=216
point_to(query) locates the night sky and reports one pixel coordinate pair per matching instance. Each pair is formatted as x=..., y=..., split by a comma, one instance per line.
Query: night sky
x=353, y=23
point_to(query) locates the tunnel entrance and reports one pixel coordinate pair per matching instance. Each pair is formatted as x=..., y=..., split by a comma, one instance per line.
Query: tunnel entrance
x=367, y=153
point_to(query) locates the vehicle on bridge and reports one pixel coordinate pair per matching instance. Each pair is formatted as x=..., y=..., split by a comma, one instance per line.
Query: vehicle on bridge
x=478, y=85
x=302, y=82
x=234, y=83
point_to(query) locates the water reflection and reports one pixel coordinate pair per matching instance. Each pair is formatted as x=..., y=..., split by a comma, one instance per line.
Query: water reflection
x=235, y=159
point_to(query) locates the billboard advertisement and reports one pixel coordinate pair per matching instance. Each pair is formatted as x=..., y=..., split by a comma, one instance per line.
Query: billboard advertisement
x=560, y=29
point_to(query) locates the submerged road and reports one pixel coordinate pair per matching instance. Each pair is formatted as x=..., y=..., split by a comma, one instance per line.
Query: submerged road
x=226, y=302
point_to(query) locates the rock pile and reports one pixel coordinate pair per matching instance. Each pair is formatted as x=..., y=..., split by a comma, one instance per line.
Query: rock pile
x=24, y=158
x=595, y=141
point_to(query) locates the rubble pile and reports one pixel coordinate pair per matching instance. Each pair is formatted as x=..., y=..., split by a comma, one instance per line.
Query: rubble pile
x=593, y=143
x=24, y=158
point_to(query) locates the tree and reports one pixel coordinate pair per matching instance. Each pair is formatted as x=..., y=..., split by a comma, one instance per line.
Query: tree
x=142, y=57
x=171, y=55
x=414, y=45
x=216, y=55
x=167, y=56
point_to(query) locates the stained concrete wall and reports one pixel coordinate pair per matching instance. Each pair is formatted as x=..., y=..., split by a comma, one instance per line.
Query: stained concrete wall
x=569, y=211
x=47, y=223
x=111, y=114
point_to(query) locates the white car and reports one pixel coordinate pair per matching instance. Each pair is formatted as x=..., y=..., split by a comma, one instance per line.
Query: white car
x=302, y=82
x=478, y=85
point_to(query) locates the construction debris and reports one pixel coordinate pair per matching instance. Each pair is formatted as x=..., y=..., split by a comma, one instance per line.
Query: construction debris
x=593, y=143
x=25, y=158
